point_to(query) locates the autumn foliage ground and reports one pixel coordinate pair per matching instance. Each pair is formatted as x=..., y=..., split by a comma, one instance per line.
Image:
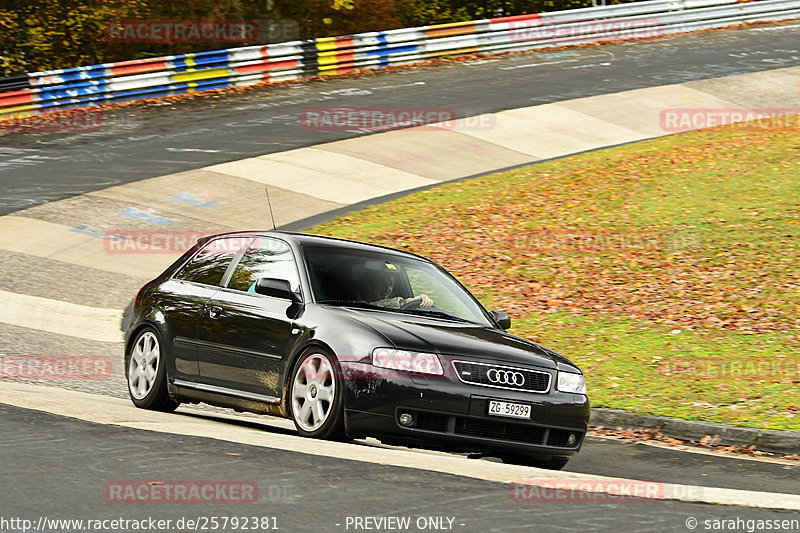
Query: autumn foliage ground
x=667, y=269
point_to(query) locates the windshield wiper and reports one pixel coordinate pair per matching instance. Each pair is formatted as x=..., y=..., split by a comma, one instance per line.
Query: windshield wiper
x=352, y=303
x=435, y=312
x=420, y=312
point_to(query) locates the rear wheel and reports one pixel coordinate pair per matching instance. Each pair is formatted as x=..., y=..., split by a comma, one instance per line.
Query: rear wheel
x=316, y=396
x=145, y=370
x=554, y=463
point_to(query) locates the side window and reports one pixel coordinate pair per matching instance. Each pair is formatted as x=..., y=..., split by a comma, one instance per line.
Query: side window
x=208, y=266
x=265, y=258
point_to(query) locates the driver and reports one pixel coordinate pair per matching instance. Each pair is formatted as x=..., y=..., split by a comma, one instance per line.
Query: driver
x=377, y=287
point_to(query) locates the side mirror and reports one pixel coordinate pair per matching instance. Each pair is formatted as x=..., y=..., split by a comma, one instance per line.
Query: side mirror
x=277, y=288
x=501, y=319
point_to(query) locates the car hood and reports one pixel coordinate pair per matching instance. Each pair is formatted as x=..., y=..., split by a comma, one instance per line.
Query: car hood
x=419, y=333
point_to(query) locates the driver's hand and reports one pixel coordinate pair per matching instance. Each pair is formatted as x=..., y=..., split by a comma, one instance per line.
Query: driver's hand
x=425, y=300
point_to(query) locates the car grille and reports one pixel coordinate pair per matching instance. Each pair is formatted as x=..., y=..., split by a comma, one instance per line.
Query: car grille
x=431, y=422
x=500, y=430
x=479, y=374
x=495, y=430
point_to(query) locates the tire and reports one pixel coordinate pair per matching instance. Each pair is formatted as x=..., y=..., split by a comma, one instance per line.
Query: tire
x=315, y=396
x=554, y=463
x=146, y=373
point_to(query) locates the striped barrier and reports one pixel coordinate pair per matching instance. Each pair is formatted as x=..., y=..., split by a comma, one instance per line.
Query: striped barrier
x=22, y=96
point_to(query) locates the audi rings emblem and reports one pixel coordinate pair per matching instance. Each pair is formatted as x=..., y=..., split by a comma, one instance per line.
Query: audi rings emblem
x=506, y=377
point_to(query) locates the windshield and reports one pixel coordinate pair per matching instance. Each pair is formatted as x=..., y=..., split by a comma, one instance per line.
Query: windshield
x=386, y=281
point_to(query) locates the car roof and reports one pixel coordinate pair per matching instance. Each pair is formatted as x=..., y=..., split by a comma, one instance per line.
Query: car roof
x=305, y=239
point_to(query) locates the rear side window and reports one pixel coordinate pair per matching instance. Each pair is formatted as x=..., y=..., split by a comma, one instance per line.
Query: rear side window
x=266, y=258
x=208, y=266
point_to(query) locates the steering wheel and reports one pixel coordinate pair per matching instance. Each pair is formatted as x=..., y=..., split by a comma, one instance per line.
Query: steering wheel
x=411, y=304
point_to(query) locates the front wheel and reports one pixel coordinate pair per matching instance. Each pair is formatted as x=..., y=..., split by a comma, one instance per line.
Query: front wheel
x=554, y=463
x=145, y=370
x=316, y=396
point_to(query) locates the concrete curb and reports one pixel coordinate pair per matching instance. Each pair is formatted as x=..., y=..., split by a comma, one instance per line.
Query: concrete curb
x=768, y=440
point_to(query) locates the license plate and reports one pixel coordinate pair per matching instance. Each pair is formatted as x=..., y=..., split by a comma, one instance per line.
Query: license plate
x=511, y=410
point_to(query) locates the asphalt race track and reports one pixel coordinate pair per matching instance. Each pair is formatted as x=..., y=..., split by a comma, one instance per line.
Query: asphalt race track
x=46, y=460
x=156, y=141
x=58, y=466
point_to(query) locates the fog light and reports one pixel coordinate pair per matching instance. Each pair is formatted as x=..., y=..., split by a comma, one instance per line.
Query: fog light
x=406, y=419
x=571, y=440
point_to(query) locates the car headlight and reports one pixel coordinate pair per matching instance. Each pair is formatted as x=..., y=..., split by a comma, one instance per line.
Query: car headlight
x=569, y=382
x=423, y=363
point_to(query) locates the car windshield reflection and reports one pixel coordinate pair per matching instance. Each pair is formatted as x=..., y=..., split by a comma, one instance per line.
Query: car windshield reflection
x=371, y=280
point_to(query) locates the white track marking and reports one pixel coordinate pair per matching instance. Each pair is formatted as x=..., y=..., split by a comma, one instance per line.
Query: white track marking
x=324, y=174
x=63, y=318
x=529, y=65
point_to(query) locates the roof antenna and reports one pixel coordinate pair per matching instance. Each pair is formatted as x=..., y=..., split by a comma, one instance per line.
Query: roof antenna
x=270, y=209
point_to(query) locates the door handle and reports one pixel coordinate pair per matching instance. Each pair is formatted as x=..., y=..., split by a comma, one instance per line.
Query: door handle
x=214, y=312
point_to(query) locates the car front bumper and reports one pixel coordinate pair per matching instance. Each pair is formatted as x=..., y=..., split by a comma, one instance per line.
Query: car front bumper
x=453, y=415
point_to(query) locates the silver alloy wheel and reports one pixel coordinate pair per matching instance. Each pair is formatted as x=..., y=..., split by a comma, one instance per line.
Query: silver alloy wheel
x=143, y=366
x=313, y=391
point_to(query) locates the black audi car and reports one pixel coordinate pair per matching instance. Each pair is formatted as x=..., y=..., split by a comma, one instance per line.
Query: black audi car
x=349, y=340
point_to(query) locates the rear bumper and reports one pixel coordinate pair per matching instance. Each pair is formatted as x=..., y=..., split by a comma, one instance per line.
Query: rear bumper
x=450, y=414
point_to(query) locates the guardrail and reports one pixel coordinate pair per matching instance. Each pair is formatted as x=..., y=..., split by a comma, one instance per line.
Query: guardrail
x=22, y=96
